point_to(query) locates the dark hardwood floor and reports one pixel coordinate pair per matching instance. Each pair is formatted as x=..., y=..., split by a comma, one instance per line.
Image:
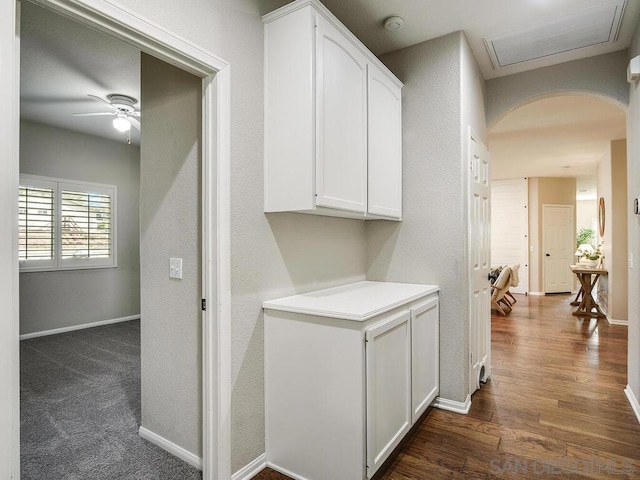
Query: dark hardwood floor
x=554, y=407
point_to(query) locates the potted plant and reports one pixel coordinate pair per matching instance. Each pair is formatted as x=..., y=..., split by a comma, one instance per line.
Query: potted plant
x=594, y=257
x=585, y=235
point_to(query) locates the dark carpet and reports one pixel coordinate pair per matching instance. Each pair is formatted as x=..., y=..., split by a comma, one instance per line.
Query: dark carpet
x=80, y=409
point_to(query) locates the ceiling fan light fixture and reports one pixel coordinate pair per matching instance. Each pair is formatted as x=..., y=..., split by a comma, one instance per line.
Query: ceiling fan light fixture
x=121, y=124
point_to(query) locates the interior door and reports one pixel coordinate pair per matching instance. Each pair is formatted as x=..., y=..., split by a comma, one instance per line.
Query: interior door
x=480, y=263
x=341, y=121
x=558, y=235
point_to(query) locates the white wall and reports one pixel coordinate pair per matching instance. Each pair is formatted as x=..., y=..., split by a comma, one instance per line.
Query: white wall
x=271, y=255
x=170, y=197
x=587, y=215
x=633, y=180
x=612, y=187
x=601, y=75
x=545, y=190
x=442, y=96
x=51, y=300
x=510, y=227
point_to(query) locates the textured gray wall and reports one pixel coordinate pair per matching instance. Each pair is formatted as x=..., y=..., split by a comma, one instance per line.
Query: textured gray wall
x=170, y=197
x=603, y=75
x=51, y=300
x=271, y=256
x=429, y=245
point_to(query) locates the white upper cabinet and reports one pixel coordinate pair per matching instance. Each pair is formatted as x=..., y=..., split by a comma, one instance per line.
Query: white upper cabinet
x=341, y=121
x=385, y=145
x=333, y=133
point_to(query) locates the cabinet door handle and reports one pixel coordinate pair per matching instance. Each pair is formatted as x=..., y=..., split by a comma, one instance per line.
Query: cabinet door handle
x=547, y=255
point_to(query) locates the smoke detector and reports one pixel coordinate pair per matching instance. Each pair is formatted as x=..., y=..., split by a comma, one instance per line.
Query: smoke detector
x=393, y=23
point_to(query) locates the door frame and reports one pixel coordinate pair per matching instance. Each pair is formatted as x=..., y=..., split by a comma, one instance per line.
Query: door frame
x=216, y=273
x=543, y=246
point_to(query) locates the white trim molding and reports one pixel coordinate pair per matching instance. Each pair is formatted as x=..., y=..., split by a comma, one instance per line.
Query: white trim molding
x=536, y=294
x=54, y=331
x=9, y=277
x=613, y=321
x=633, y=401
x=172, y=448
x=452, y=405
x=157, y=41
x=251, y=469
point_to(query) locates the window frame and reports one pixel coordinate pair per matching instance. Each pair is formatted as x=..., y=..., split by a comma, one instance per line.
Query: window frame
x=58, y=263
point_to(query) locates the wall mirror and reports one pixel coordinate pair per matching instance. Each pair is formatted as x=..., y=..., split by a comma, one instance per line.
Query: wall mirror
x=601, y=216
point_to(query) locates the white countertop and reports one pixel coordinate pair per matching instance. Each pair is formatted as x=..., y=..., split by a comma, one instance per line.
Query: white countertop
x=356, y=301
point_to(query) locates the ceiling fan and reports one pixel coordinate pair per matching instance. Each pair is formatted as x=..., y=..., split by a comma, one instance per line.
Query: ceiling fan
x=122, y=107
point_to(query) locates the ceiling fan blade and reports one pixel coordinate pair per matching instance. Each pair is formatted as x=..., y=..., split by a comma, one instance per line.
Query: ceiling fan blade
x=134, y=122
x=102, y=100
x=135, y=114
x=93, y=114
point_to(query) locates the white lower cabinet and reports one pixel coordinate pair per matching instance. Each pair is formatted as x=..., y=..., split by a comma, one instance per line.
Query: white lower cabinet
x=425, y=355
x=348, y=371
x=388, y=353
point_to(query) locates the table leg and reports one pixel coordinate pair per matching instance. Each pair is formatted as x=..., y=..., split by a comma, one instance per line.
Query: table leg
x=588, y=303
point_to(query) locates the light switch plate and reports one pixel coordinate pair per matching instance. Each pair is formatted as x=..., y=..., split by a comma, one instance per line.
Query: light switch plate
x=175, y=268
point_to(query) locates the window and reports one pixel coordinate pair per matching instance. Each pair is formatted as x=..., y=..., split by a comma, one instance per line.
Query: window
x=65, y=224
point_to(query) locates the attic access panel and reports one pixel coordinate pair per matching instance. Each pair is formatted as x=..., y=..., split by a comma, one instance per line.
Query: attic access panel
x=594, y=26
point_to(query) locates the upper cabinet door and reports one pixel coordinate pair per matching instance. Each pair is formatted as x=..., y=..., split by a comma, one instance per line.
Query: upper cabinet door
x=341, y=121
x=385, y=145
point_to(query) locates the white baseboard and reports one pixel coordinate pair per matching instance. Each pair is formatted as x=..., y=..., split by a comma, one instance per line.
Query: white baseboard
x=538, y=294
x=72, y=328
x=452, y=405
x=171, y=447
x=251, y=469
x=633, y=400
x=613, y=321
x=286, y=472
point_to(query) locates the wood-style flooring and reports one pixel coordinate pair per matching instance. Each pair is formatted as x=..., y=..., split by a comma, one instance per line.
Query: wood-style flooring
x=554, y=407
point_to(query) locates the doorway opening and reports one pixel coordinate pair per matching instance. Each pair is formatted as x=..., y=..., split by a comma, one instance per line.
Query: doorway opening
x=214, y=153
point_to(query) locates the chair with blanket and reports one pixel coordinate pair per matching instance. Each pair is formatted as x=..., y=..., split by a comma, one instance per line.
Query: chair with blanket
x=514, y=281
x=498, y=291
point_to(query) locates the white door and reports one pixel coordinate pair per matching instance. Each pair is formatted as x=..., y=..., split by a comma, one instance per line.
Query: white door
x=425, y=355
x=341, y=121
x=388, y=367
x=480, y=263
x=558, y=234
x=385, y=145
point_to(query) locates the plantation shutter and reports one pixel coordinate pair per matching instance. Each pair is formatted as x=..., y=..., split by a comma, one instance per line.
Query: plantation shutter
x=66, y=224
x=36, y=223
x=85, y=225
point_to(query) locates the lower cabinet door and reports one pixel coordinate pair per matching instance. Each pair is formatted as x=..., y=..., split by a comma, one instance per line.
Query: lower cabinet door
x=388, y=365
x=425, y=352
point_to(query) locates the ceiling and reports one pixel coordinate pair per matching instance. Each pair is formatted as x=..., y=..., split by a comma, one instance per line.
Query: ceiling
x=427, y=19
x=559, y=136
x=62, y=62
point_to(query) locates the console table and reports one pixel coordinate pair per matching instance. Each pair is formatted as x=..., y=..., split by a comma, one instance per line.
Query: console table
x=588, y=276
